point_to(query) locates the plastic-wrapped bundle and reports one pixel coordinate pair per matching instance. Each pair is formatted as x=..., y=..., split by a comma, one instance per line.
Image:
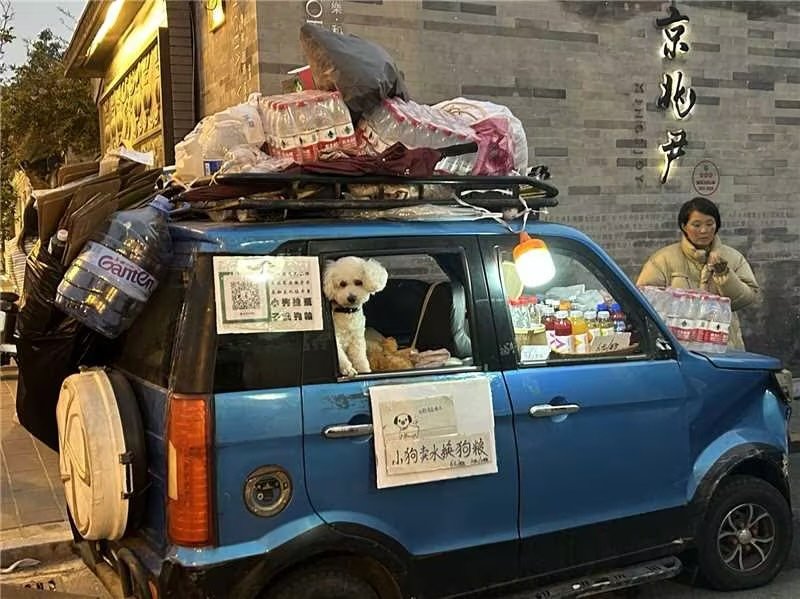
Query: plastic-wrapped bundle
x=418, y=126
x=502, y=145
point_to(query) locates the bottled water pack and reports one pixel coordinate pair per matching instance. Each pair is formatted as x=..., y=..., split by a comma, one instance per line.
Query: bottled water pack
x=700, y=321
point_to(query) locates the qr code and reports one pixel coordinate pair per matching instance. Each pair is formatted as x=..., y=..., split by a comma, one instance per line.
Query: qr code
x=245, y=295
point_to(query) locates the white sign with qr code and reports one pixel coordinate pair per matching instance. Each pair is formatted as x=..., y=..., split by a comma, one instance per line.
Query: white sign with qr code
x=267, y=294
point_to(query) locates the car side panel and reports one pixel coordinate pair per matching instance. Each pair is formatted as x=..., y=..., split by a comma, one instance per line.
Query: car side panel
x=252, y=429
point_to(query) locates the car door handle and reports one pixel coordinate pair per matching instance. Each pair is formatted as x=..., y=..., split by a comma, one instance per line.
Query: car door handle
x=341, y=431
x=547, y=410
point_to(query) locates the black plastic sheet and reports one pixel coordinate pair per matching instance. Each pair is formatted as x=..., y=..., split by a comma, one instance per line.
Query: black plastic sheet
x=362, y=71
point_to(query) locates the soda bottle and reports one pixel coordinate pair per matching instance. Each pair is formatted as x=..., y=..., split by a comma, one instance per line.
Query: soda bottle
x=549, y=322
x=58, y=243
x=580, y=332
x=604, y=323
x=562, y=329
x=592, y=324
x=112, y=278
x=618, y=318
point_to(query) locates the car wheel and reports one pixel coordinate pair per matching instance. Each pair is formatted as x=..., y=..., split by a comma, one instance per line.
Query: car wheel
x=323, y=582
x=746, y=535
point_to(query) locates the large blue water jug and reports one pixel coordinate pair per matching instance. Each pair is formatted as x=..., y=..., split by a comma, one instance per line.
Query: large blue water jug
x=110, y=281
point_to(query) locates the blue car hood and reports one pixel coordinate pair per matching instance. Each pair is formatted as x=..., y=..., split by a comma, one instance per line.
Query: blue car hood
x=740, y=360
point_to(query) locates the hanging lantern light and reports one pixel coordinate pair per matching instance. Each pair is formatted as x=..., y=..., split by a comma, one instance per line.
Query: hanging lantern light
x=534, y=263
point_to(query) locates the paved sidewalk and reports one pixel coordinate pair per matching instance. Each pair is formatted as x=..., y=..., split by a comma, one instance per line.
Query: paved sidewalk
x=33, y=512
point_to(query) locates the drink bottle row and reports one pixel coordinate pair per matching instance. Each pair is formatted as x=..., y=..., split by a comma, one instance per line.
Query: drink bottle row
x=566, y=330
x=700, y=321
x=304, y=125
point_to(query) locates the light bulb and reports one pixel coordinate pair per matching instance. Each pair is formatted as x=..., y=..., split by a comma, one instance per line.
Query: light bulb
x=534, y=263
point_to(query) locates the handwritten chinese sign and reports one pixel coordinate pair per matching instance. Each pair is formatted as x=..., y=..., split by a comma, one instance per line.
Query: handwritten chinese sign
x=433, y=431
x=259, y=294
x=674, y=91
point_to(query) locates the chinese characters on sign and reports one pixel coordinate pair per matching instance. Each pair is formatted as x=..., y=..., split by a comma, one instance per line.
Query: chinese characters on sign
x=315, y=13
x=432, y=431
x=682, y=98
x=674, y=92
x=260, y=294
x=673, y=32
x=673, y=150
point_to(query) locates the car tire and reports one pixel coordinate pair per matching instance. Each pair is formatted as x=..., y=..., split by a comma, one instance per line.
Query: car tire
x=326, y=581
x=746, y=535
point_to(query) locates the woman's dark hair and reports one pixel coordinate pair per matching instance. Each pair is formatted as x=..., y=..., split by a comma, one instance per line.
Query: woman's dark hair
x=702, y=205
x=30, y=225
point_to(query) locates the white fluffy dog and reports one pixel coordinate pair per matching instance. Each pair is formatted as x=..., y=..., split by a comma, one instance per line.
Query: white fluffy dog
x=348, y=283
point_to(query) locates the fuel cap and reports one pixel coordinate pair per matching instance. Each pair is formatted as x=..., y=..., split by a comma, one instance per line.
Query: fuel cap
x=267, y=491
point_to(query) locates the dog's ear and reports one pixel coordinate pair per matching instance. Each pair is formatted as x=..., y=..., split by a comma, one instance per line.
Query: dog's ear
x=328, y=282
x=375, y=276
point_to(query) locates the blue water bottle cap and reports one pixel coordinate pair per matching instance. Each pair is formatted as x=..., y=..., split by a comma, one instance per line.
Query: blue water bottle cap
x=616, y=307
x=161, y=203
x=602, y=307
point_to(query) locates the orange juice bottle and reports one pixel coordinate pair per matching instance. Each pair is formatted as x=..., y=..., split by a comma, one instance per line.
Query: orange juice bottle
x=580, y=332
x=565, y=305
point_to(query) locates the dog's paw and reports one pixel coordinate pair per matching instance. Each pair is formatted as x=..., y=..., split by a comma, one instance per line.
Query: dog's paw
x=349, y=371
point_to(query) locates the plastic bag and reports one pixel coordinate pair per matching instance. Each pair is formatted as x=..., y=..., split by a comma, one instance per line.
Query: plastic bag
x=247, y=159
x=250, y=118
x=38, y=312
x=362, y=71
x=500, y=132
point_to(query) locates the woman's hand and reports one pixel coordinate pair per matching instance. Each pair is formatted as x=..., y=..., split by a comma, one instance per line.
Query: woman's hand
x=717, y=264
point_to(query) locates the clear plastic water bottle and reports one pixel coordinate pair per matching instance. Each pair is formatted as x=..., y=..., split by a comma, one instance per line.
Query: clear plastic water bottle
x=345, y=133
x=110, y=281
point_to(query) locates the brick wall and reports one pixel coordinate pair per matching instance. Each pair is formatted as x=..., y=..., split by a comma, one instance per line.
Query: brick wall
x=584, y=79
x=227, y=62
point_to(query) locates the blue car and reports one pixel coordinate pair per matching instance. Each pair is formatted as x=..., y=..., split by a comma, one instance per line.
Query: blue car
x=468, y=457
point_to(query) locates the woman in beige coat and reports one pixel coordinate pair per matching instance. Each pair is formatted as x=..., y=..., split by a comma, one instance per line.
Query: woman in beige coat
x=700, y=261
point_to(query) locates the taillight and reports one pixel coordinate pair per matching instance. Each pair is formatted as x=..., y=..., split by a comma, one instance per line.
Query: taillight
x=189, y=511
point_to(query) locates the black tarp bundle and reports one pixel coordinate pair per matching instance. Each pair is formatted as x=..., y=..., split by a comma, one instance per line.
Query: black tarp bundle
x=361, y=70
x=50, y=347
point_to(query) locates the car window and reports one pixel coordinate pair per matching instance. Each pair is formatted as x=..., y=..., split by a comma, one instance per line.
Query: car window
x=421, y=319
x=578, y=314
x=146, y=348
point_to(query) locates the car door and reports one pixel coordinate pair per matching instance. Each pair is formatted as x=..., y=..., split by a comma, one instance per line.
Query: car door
x=441, y=524
x=603, y=441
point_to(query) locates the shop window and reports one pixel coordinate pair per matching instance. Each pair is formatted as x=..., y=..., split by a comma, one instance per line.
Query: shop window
x=574, y=316
x=421, y=319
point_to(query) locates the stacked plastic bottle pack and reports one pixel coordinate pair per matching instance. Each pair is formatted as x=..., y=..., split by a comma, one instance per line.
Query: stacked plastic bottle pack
x=700, y=321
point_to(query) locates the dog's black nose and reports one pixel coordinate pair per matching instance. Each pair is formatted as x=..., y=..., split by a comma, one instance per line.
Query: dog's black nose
x=351, y=298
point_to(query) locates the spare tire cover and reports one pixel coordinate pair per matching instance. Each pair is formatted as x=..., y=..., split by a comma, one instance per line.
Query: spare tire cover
x=99, y=439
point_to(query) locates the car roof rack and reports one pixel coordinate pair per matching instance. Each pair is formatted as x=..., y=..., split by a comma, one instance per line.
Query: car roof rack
x=305, y=195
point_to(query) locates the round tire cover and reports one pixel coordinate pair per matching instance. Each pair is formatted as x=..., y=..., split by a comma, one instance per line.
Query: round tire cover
x=95, y=462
